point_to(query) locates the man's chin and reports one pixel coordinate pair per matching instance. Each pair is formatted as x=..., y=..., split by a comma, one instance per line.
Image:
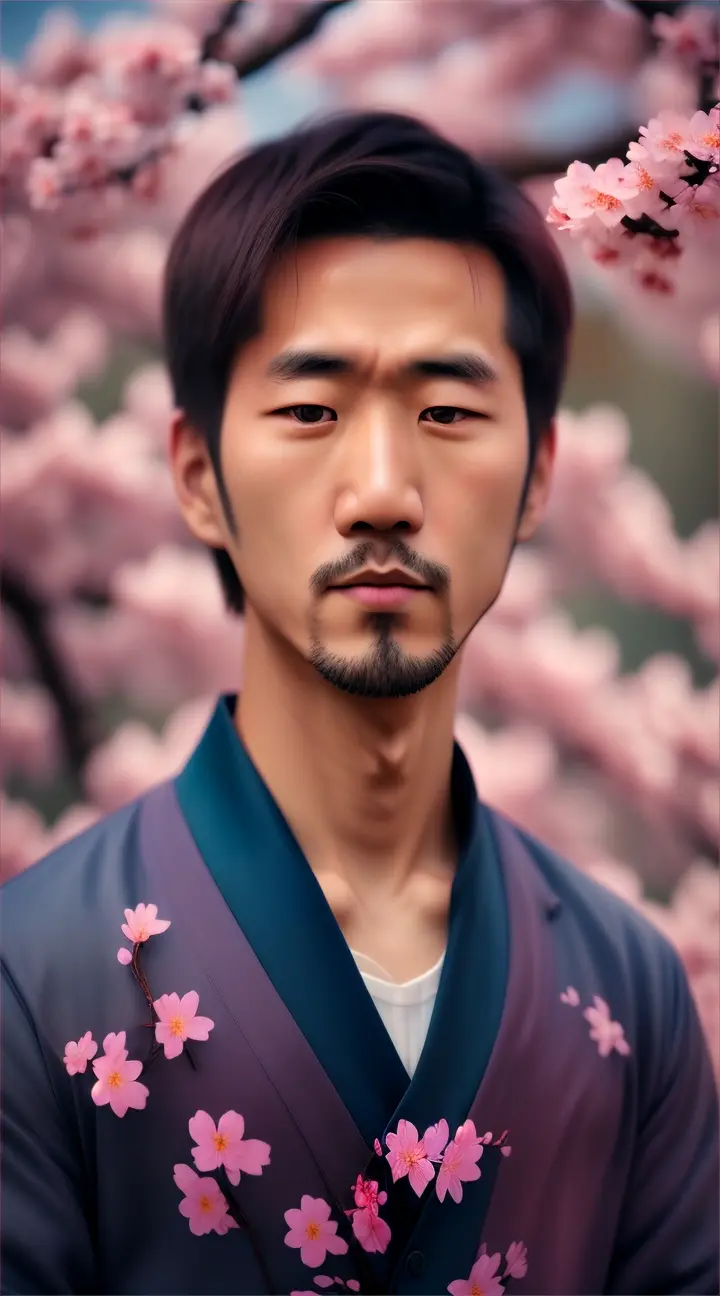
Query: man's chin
x=385, y=672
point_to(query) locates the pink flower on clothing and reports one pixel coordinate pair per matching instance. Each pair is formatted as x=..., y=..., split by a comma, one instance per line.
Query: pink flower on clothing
x=435, y=1138
x=225, y=1145
x=516, y=1260
x=179, y=1022
x=312, y=1230
x=78, y=1054
x=372, y=1233
x=407, y=1156
x=607, y=1034
x=483, y=1280
x=143, y=922
x=570, y=996
x=117, y=1079
x=203, y=1205
x=459, y=1163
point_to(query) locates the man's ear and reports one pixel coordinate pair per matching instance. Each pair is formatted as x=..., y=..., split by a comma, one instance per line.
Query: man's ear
x=540, y=483
x=195, y=483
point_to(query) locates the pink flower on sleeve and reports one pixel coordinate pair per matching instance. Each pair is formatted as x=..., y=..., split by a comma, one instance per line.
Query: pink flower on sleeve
x=140, y=924
x=203, y=1204
x=407, y=1156
x=117, y=1079
x=516, y=1260
x=459, y=1163
x=483, y=1280
x=78, y=1054
x=607, y=1034
x=179, y=1022
x=570, y=996
x=143, y=922
x=312, y=1230
x=225, y=1145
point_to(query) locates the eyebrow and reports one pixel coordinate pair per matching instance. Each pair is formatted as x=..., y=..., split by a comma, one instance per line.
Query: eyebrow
x=469, y=367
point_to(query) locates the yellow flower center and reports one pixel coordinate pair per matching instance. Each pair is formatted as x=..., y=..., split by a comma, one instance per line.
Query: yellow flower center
x=312, y=1231
x=142, y=934
x=114, y=1080
x=476, y=1291
x=644, y=178
x=220, y=1141
x=176, y=1025
x=608, y=201
x=673, y=142
x=206, y=1202
x=411, y=1157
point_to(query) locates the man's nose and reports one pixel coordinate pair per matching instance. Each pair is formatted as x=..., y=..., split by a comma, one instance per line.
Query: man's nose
x=380, y=479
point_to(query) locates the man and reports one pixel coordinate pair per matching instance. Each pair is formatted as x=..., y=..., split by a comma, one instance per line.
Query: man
x=370, y=1033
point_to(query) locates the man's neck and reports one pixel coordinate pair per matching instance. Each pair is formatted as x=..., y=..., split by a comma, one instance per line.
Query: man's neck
x=363, y=783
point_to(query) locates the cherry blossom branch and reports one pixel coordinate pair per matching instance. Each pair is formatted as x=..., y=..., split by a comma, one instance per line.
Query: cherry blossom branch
x=76, y=727
x=139, y=975
x=306, y=23
x=243, y=1223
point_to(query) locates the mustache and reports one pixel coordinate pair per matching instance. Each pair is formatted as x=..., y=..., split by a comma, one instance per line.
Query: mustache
x=397, y=553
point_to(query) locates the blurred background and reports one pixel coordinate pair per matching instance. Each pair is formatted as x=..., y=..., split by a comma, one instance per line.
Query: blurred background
x=589, y=707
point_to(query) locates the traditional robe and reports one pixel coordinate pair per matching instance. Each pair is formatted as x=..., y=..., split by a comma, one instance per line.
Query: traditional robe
x=611, y=1184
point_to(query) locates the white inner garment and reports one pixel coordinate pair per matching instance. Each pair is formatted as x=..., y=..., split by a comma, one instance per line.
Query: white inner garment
x=405, y=1008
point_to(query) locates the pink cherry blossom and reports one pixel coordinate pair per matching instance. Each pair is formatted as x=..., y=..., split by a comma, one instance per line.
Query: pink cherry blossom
x=117, y=1078
x=666, y=137
x=366, y=1194
x=124, y=955
x=203, y=1205
x=601, y=192
x=312, y=1230
x=77, y=1055
x=371, y=1231
x=483, y=1280
x=435, y=1138
x=143, y=922
x=178, y=1022
x=407, y=1157
x=516, y=1260
x=608, y=1034
x=570, y=996
x=225, y=1145
x=459, y=1163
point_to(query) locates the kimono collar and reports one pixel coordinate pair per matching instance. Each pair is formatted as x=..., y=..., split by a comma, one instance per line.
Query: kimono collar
x=269, y=886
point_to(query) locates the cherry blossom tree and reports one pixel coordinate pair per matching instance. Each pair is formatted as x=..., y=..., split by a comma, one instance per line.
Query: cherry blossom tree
x=116, y=638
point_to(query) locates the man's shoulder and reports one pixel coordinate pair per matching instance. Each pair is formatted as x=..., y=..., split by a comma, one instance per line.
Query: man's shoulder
x=78, y=886
x=617, y=928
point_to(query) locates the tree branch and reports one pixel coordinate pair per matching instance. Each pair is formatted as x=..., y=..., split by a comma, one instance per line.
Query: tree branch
x=76, y=727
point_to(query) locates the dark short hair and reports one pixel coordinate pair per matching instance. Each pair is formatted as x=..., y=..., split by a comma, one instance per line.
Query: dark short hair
x=372, y=174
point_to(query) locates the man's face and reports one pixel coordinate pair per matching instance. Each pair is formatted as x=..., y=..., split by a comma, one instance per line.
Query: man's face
x=377, y=424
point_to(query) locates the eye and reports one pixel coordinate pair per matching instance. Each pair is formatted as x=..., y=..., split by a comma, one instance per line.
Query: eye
x=446, y=413
x=309, y=414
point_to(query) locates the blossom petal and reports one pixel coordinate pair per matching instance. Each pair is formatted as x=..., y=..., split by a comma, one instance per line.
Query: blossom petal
x=202, y=1126
x=185, y=1177
x=189, y=1003
x=124, y=955
x=198, y=1028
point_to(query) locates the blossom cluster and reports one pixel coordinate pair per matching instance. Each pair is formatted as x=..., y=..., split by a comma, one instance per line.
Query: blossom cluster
x=641, y=214
x=222, y=1149
x=96, y=113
